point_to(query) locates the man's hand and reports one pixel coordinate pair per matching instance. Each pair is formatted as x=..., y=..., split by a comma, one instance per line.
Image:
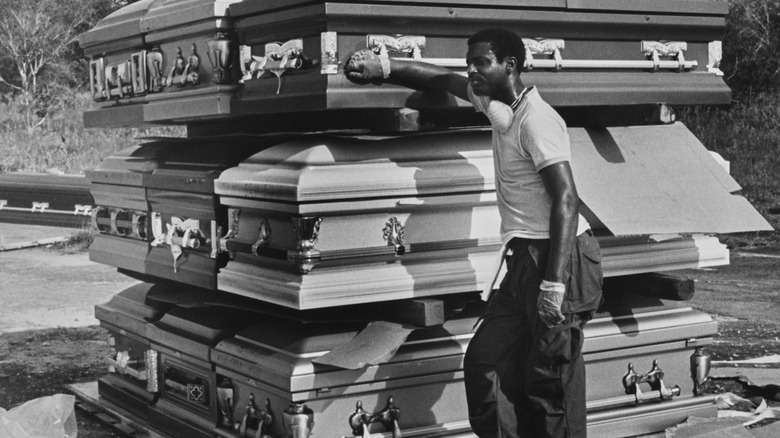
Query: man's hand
x=549, y=303
x=366, y=65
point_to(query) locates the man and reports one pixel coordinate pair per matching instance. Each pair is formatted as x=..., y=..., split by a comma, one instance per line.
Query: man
x=525, y=376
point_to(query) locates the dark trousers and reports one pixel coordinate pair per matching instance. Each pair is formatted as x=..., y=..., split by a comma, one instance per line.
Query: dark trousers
x=522, y=378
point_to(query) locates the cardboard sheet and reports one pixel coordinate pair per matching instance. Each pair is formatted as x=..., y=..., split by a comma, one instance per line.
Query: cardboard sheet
x=657, y=179
x=377, y=343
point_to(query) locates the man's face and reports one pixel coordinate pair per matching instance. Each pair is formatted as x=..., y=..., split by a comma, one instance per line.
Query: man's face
x=486, y=75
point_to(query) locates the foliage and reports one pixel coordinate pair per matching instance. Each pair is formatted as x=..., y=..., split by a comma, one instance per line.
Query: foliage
x=751, y=45
x=36, y=39
x=62, y=144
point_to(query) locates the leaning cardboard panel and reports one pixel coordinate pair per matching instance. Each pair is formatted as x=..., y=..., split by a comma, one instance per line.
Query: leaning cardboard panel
x=331, y=220
x=270, y=371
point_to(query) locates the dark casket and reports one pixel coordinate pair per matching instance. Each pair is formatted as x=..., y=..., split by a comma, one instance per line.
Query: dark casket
x=186, y=405
x=132, y=365
x=156, y=211
x=203, y=61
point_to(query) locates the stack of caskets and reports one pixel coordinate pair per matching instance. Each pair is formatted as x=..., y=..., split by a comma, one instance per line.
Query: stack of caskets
x=311, y=255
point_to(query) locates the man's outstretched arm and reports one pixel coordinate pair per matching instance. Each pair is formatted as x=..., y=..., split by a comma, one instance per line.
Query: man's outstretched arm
x=365, y=65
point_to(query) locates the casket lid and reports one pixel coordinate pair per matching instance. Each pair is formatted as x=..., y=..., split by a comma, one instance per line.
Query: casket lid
x=329, y=167
x=134, y=21
x=173, y=163
x=121, y=24
x=708, y=7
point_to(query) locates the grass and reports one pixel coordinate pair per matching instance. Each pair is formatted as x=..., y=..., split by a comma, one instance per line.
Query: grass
x=78, y=242
x=62, y=144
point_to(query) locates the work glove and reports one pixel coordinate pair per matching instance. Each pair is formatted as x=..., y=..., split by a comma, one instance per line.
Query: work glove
x=549, y=303
x=367, y=65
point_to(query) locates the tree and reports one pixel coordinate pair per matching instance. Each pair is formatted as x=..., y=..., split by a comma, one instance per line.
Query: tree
x=34, y=36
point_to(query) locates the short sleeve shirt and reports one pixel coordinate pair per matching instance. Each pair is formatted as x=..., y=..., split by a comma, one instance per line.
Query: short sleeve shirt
x=525, y=141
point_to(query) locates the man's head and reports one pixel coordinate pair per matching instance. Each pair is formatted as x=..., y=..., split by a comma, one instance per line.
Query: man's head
x=494, y=58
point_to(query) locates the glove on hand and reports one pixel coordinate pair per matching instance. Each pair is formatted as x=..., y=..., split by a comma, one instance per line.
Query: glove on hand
x=549, y=303
x=366, y=65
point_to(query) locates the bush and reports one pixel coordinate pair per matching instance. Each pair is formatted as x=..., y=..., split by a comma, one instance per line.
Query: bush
x=62, y=144
x=751, y=45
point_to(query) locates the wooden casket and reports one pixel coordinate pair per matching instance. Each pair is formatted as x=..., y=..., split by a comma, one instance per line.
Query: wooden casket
x=271, y=373
x=328, y=220
x=156, y=212
x=199, y=61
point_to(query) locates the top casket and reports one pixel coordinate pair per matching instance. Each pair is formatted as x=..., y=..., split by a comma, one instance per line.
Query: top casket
x=176, y=61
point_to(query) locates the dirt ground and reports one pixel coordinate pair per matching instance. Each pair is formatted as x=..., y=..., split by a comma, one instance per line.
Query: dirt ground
x=742, y=296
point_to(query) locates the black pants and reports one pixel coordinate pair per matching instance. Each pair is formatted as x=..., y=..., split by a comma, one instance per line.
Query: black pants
x=523, y=379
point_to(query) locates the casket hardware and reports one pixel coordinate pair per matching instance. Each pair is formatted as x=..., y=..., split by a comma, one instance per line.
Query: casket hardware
x=263, y=237
x=654, y=50
x=225, y=400
x=278, y=58
x=307, y=230
x=184, y=71
x=221, y=54
x=101, y=220
x=97, y=79
x=139, y=225
x=360, y=420
x=261, y=420
x=393, y=233
x=700, y=368
x=138, y=72
x=119, y=215
x=401, y=44
x=152, y=382
x=82, y=209
x=298, y=420
x=39, y=207
x=122, y=364
x=221, y=239
x=715, y=52
x=181, y=233
x=118, y=82
x=329, y=57
x=654, y=377
x=551, y=48
x=154, y=66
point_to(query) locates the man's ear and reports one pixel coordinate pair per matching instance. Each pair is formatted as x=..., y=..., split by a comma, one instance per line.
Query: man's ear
x=511, y=64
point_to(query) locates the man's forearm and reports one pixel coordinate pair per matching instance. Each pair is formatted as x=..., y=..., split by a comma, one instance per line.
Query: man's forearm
x=563, y=233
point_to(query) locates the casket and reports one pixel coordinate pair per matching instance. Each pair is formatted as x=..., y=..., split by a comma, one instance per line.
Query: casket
x=270, y=369
x=255, y=63
x=132, y=365
x=186, y=382
x=328, y=220
x=156, y=210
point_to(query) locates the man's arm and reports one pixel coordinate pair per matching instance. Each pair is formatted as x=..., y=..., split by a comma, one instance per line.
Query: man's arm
x=366, y=65
x=564, y=217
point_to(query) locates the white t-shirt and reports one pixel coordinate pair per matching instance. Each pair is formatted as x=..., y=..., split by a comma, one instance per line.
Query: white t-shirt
x=525, y=142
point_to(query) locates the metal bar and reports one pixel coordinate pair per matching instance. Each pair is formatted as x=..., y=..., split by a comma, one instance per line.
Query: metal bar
x=570, y=64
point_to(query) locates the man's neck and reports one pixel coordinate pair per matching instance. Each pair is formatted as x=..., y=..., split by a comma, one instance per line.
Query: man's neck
x=512, y=91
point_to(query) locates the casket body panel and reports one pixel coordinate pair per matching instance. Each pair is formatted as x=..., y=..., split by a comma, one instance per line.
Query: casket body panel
x=206, y=61
x=273, y=360
x=446, y=28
